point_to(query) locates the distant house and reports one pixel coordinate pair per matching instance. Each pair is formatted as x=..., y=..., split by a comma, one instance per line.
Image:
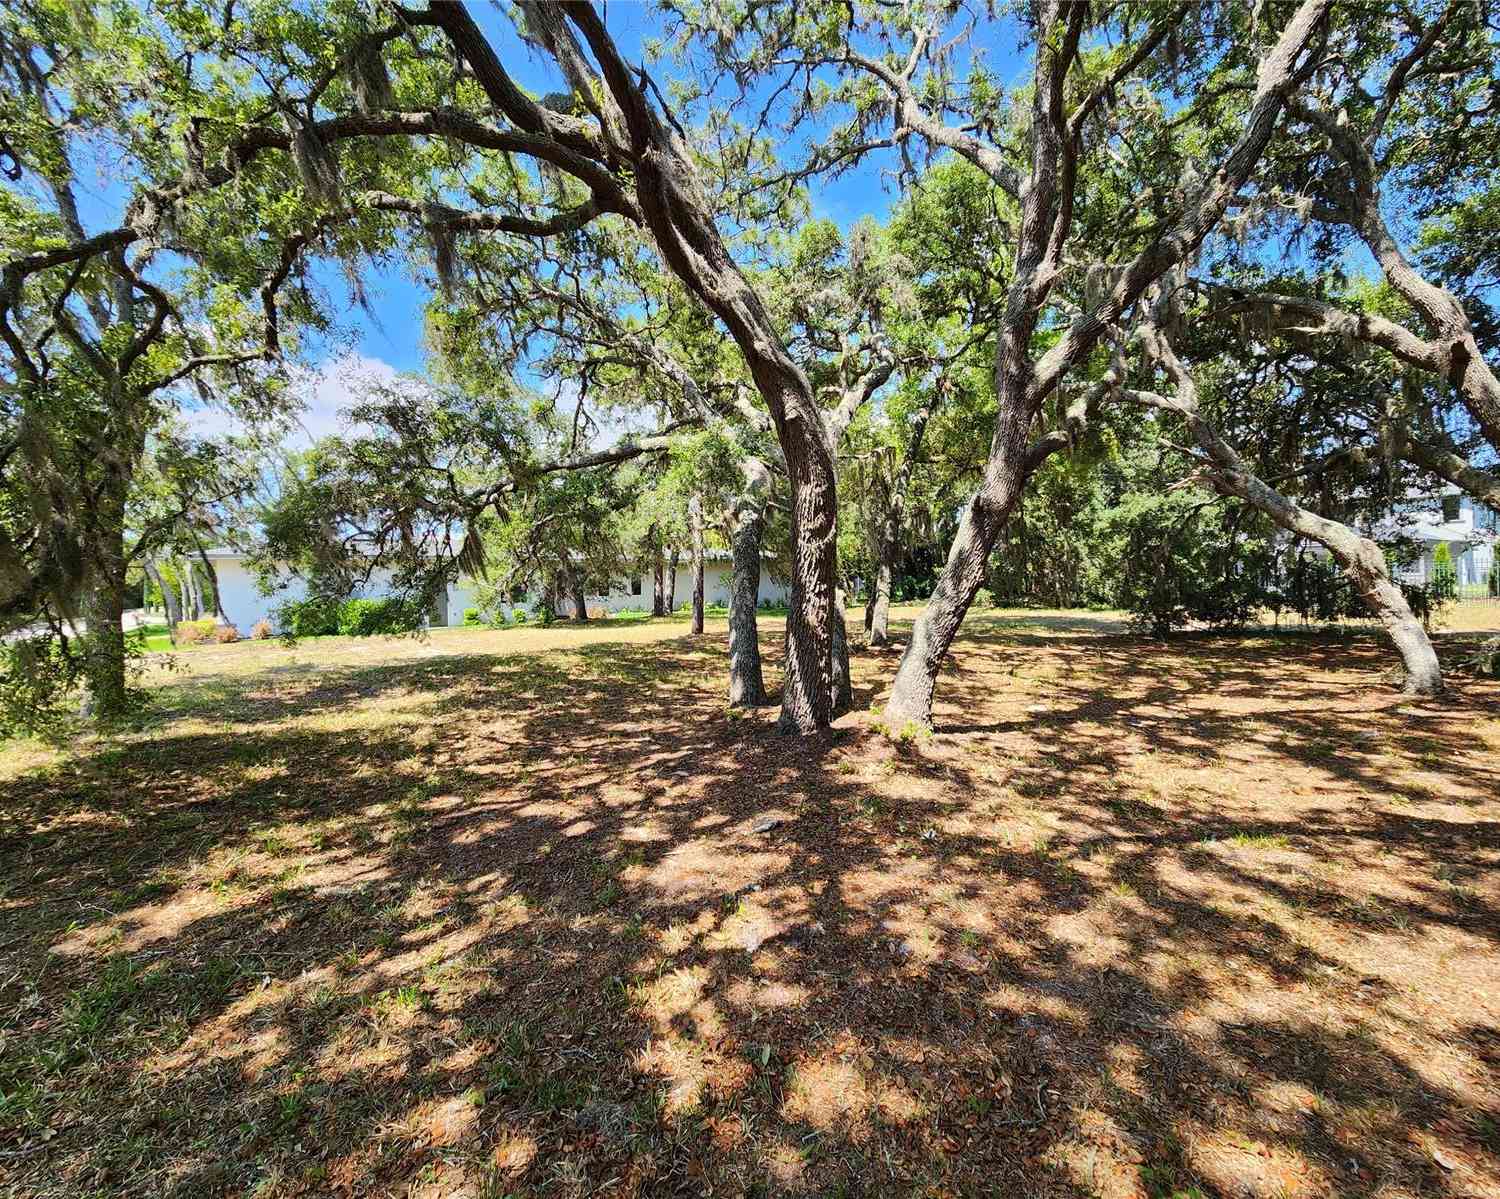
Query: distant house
x=244, y=605
x=635, y=591
x=1469, y=529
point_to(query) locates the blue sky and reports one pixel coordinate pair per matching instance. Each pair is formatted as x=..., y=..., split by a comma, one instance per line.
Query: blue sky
x=374, y=347
x=396, y=338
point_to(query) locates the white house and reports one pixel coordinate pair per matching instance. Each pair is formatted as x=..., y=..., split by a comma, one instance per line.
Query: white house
x=1468, y=528
x=244, y=604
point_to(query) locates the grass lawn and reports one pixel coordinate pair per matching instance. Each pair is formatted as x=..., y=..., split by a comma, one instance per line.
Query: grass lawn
x=529, y=912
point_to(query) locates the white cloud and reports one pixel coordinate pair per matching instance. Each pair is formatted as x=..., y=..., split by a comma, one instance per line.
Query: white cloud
x=322, y=396
x=327, y=393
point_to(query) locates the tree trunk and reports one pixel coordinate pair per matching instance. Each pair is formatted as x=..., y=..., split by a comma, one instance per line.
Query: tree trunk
x=747, y=687
x=212, y=576
x=580, y=601
x=932, y=633
x=184, y=589
x=658, y=585
x=843, y=688
x=672, y=582
x=168, y=599
x=880, y=599
x=890, y=532
x=1360, y=557
x=107, y=697
x=695, y=519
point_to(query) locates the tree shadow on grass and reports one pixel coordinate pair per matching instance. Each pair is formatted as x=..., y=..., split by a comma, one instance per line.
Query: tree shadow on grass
x=563, y=924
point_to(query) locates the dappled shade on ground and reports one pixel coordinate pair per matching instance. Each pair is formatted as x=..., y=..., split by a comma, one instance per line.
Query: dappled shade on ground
x=534, y=913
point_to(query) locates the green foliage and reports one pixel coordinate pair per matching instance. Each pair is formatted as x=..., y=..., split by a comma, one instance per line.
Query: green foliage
x=315, y=616
x=471, y=618
x=1443, y=586
x=1181, y=558
x=38, y=678
x=387, y=615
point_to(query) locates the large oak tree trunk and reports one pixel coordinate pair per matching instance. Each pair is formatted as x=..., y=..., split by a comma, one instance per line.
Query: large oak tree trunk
x=668, y=194
x=747, y=523
x=107, y=697
x=658, y=585
x=695, y=519
x=672, y=562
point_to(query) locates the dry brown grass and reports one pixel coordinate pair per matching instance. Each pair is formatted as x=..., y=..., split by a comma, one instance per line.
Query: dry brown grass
x=486, y=915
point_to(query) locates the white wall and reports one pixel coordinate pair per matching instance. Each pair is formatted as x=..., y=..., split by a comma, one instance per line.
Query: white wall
x=244, y=605
x=241, y=599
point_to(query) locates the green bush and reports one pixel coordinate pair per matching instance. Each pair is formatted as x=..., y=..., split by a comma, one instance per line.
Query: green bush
x=1444, y=584
x=471, y=617
x=37, y=681
x=983, y=598
x=316, y=616
x=373, y=617
x=1181, y=560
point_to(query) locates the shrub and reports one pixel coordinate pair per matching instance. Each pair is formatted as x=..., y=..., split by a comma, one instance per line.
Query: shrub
x=983, y=598
x=316, y=616
x=1444, y=585
x=1180, y=560
x=373, y=617
x=37, y=683
x=226, y=634
x=191, y=632
x=471, y=617
x=517, y=616
x=261, y=630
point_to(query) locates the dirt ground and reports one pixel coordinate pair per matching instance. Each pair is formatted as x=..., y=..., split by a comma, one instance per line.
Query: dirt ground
x=532, y=912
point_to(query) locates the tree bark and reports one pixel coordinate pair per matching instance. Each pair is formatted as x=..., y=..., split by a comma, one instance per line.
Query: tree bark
x=880, y=601
x=580, y=601
x=658, y=584
x=212, y=576
x=843, y=687
x=168, y=599
x=184, y=589
x=933, y=631
x=107, y=698
x=747, y=687
x=695, y=520
x=672, y=561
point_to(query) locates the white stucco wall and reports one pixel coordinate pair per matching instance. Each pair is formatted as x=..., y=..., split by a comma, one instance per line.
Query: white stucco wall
x=241, y=598
x=244, y=604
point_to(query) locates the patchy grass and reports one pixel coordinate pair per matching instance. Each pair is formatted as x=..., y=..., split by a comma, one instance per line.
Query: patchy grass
x=487, y=914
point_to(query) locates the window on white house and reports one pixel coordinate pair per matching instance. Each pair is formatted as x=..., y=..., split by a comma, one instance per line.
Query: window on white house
x=635, y=585
x=1450, y=507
